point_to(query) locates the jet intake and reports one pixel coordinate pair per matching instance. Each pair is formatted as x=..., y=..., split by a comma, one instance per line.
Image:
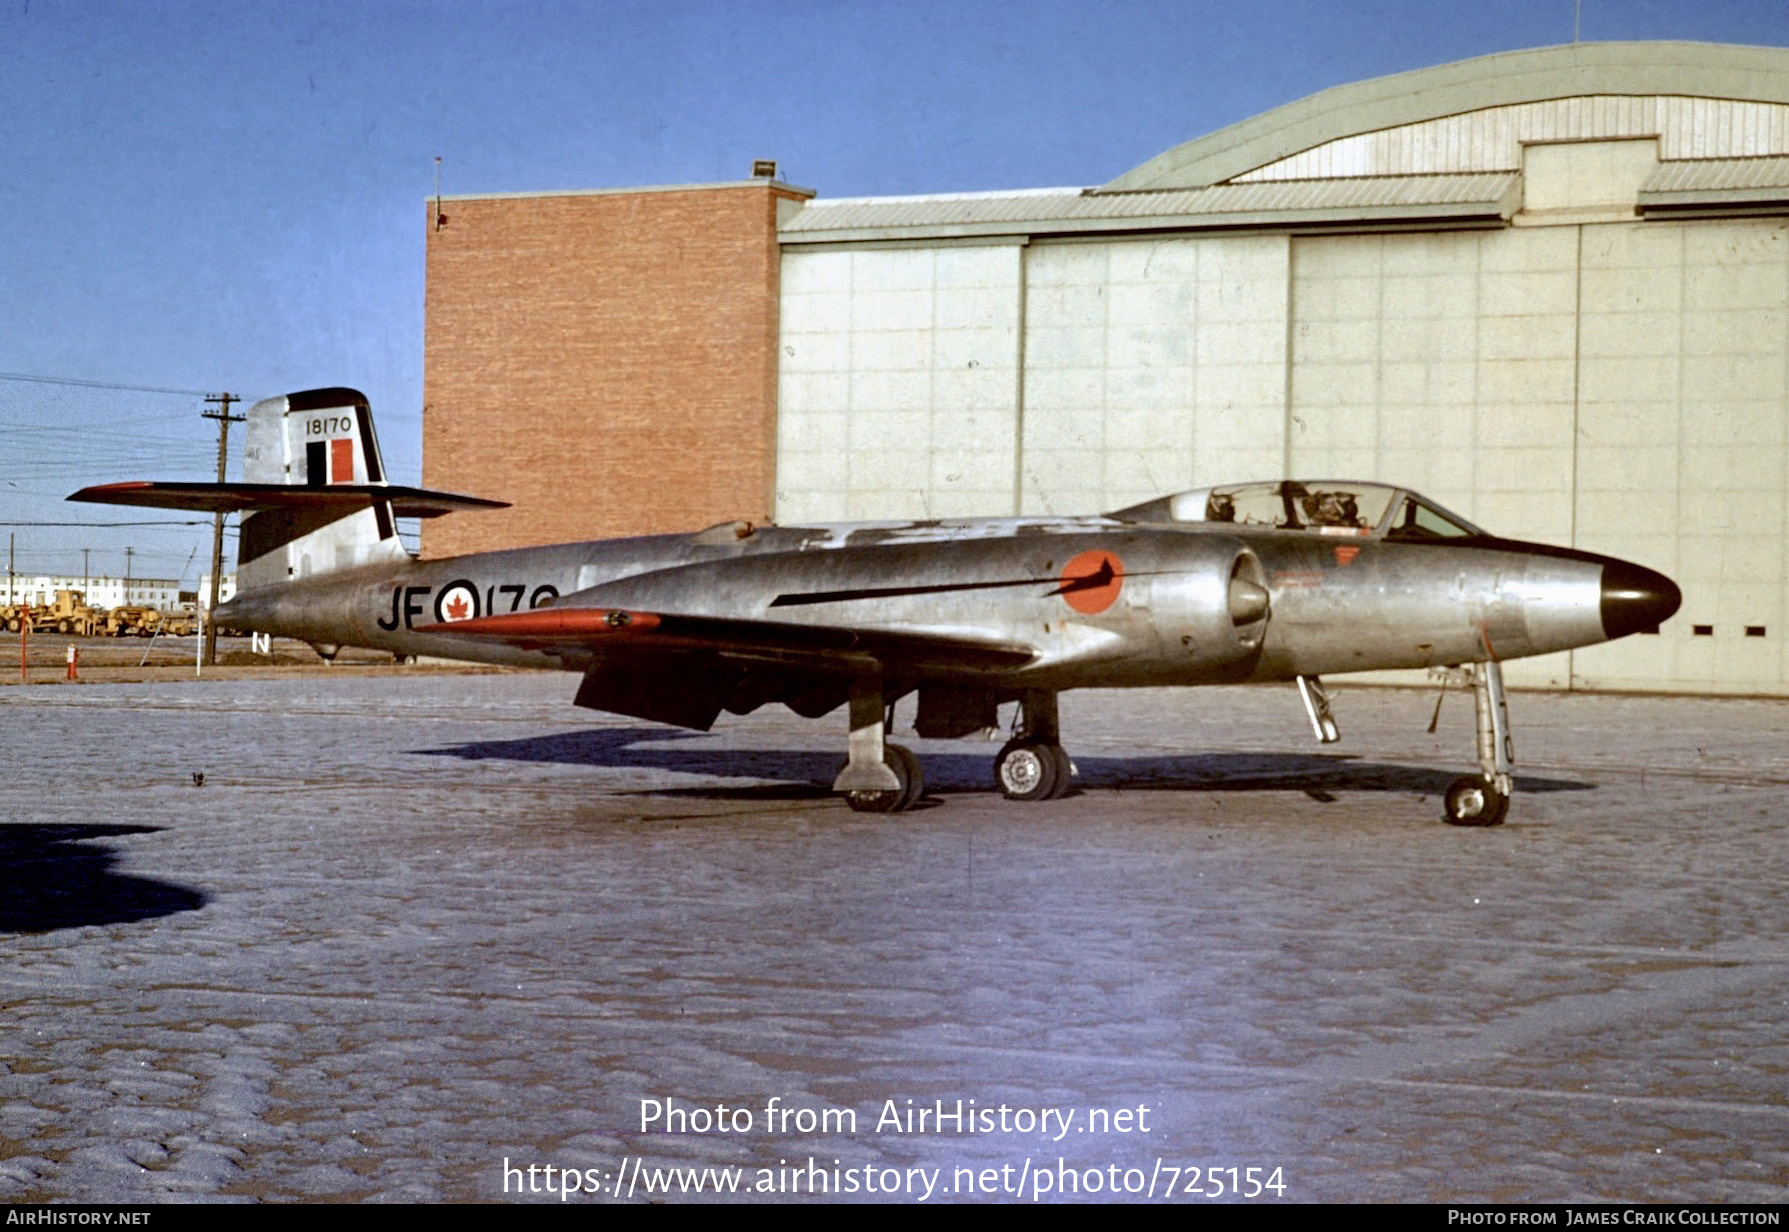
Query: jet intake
x=1211, y=604
x=1248, y=602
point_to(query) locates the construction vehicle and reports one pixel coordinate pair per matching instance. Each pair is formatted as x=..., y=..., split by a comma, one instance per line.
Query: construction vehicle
x=69, y=614
x=183, y=622
x=131, y=620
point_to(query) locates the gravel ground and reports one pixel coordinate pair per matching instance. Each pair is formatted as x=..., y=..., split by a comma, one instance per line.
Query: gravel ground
x=409, y=930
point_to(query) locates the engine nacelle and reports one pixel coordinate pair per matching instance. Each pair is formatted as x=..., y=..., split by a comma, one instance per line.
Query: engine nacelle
x=1209, y=603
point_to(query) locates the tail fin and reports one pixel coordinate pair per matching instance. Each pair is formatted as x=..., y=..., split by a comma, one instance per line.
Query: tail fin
x=320, y=438
x=314, y=496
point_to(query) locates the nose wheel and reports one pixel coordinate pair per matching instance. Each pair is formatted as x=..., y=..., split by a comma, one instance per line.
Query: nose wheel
x=1476, y=801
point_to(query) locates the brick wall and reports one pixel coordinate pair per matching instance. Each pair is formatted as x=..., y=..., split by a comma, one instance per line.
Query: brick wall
x=605, y=361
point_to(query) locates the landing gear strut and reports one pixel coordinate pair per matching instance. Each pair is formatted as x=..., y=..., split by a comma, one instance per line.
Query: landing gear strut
x=878, y=777
x=1316, y=705
x=1483, y=799
x=1032, y=766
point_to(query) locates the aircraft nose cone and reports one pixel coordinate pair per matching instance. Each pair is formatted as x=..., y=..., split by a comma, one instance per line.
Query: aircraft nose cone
x=1636, y=600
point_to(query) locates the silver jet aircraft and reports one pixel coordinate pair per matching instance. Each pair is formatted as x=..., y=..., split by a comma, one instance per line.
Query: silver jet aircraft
x=1271, y=581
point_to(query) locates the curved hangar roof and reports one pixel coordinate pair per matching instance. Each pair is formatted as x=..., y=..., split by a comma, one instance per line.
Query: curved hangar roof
x=1435, y=147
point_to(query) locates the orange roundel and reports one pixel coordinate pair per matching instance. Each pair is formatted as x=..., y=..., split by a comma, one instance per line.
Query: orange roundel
x=1091, y=581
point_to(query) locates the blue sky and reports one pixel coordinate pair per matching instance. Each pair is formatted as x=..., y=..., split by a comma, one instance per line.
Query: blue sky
x=209, y=196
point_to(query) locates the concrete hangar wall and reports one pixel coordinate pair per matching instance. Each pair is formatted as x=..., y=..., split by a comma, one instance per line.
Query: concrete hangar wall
x=1549, y=289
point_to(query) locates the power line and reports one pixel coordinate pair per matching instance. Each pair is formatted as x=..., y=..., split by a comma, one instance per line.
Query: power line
x=188, y=522
x=68, y=380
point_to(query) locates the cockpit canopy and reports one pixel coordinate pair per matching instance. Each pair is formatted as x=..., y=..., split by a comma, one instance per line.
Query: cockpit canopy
x=1326, y=507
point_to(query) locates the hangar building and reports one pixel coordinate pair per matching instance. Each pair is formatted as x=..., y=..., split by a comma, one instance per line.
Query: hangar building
x=1548, y=289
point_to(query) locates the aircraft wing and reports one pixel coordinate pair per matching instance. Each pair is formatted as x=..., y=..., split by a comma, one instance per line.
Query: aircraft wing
x=247, y=497
x=684, y=669
x=575, y=630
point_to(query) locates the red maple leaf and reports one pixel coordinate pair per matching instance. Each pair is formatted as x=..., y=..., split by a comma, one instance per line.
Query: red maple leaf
x=456, y=608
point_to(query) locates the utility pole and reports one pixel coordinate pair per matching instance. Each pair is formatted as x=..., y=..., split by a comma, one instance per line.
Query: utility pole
x=224, y=420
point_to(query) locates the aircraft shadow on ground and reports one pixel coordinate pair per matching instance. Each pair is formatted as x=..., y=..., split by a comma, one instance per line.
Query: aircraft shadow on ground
x=804, y=773
x=50, y=879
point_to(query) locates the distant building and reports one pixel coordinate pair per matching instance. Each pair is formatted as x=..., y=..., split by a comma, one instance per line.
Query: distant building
x=105, y=591
x=226, y=590
x=1546, y=288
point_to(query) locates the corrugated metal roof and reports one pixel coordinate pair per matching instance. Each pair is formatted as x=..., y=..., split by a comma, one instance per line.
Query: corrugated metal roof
x=1710, y=101
x=1365, y=198
x=1716, y=187
x=1716, y=174
x=1353, y=192
x=852, y=213
x=1492, y=139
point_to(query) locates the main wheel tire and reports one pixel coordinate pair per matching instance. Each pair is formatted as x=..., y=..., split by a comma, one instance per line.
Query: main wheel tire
x=912, y=777
x=906, y=768
x=1065, y=772
x=1475, y=801
x=1031, y=770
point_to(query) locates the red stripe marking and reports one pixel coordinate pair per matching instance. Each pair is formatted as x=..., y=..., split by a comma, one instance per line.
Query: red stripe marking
x=575, y=622
x=133, y=485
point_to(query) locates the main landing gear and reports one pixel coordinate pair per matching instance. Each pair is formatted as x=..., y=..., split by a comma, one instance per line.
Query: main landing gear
x=878, y=777
x=882, y=777
x=899, y=759
x=1032, y=765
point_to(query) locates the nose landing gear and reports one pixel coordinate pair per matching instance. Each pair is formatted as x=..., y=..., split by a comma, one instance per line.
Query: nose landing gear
x=1483, y=799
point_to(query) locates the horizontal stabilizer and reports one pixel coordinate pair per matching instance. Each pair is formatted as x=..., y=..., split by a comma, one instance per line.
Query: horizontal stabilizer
x=254, y=497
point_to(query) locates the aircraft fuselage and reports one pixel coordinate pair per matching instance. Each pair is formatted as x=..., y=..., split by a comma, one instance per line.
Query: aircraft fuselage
x=1161, y=615
x=1277, y=579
